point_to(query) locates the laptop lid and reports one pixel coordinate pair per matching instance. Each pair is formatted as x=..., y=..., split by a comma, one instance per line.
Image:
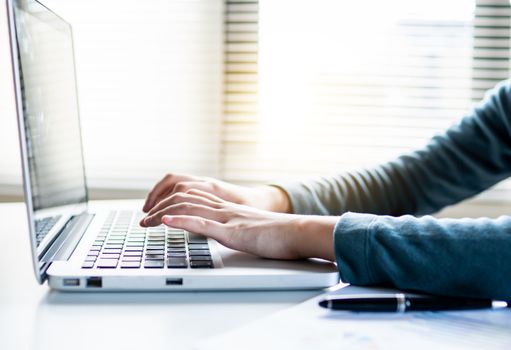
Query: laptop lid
x=48, y=121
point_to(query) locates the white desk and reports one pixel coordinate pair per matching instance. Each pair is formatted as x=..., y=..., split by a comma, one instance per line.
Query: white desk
x=33, y=317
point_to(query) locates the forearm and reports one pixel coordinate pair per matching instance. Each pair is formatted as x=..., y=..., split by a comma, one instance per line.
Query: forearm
x=460, y=257
x=467, y=159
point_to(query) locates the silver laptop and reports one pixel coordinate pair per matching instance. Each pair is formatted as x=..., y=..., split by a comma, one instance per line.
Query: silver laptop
x=76, y=249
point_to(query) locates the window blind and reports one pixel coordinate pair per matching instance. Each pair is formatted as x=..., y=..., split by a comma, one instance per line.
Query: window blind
x=150, y=78
x=338, y=85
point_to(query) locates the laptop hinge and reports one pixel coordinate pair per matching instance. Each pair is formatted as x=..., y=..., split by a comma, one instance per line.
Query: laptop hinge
x=66, y=242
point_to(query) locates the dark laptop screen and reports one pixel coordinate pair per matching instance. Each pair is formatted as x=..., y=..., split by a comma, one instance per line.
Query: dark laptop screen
x=50, y=106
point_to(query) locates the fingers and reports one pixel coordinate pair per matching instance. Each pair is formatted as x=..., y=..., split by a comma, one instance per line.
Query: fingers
x=184, y=209
x=163, y=188
x=177, y=198
x=181, y=186
x=203, y=226
x=207, y=195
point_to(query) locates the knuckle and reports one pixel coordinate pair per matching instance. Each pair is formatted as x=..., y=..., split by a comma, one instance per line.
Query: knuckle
x=214, y=186
x=177, y=197
x=192, y=191
x=180, y=187
x=184, y=207
x=203, y=224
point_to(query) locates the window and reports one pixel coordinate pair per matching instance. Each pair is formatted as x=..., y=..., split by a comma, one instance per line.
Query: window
x=334, y=85
x=150, y=78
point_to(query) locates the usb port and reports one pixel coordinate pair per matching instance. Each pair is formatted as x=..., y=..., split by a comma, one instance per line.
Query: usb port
x=94, y=282
x=174, y=282
x=71, y=282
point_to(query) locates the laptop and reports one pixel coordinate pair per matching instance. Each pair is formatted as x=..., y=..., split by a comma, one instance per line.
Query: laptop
x=78, y=249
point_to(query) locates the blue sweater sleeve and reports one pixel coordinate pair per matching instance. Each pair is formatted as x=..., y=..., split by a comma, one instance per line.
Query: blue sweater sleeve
x=469, y=257
x=457, y=257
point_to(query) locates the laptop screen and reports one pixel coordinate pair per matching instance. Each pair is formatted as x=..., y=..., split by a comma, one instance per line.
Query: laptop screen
x=50, y=106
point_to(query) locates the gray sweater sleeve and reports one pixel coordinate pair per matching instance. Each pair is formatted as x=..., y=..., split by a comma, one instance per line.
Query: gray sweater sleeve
x=408, y=252
x=465, y=160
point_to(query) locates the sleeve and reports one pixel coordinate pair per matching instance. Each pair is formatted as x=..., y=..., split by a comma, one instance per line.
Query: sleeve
x=467, y=159
x=457, y=257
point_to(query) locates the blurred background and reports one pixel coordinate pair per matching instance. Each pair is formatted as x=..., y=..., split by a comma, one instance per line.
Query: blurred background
x=255, y=91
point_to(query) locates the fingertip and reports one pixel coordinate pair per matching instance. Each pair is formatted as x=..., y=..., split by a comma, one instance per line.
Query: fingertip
x=167, y=220
x=146, y=206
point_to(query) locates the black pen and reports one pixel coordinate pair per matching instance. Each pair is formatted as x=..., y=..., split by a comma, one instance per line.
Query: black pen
x=402, y=302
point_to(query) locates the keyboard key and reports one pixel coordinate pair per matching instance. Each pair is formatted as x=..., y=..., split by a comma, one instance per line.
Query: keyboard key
x=175, y=237
x=199, y=252
x=196, y=246
x=176, y=249
x=155, y=246
x=107, y=263
x=176, y=240
x=155, y=251
x=153, y=264
x=126, y=253
x=91, y=258
x=136, y=239
x=175, y=230
x=131, y=258
x=114, y=246
x=110, y=256
x=88, y=265
x=195, y=238
x=178, y=245
x=130, y=265
x=93, y=253
x=176, y=254
x=154, y=256
x=135, y=244
x=156, y=235
x=115, y=240
x=134, y=249
x=200, y=258
x=201, y=264
x=177, y=263
x=112, y=250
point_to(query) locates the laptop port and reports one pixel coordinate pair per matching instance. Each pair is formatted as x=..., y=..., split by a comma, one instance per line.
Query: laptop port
x=94, y=282
x=174, y=282
x=71, y=282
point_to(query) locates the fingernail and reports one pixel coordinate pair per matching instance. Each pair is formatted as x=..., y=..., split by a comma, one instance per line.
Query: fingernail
x=166, y=220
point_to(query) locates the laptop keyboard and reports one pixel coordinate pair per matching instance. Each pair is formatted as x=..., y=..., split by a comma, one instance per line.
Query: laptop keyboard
x=123, y=243
x=43, y=226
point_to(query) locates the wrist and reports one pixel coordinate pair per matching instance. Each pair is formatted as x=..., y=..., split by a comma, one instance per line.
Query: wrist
x=273, y=198
x=315, y=237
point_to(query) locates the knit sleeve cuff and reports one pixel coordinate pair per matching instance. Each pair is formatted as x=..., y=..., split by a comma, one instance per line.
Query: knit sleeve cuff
x=299, y=197
x=351, y=244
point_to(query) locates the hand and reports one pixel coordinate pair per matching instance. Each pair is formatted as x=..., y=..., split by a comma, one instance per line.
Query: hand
x=248, y=229
x=264, y=197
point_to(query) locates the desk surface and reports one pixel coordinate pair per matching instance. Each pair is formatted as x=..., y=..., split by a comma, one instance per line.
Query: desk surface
x=33, y=317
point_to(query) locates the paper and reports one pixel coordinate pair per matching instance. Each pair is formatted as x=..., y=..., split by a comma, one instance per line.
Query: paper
x=307, y=326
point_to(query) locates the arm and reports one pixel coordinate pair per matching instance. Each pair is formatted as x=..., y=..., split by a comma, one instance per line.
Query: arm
x=469, y=158
x=463, y=257
x=458, y=257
